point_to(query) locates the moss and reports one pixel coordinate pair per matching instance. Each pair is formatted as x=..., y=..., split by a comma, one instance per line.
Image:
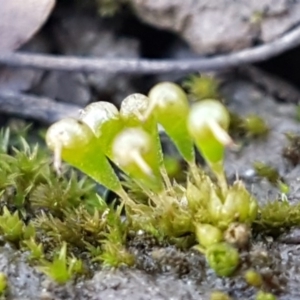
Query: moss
x=276, y=217
x=201, y=87
x=70, y=230
x=248, y=127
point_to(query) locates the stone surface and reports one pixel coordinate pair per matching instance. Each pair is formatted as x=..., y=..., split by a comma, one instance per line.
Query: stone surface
x=216, y=26
x=81, y=33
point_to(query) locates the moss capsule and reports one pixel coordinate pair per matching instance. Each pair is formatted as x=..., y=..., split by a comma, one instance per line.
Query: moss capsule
x=132, y=111
x=169, y=104
x=104, y=120
x=208, y=123
x=134, y=152
x=74, y=142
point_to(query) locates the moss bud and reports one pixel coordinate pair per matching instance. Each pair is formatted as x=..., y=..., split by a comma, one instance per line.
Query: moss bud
x=223, y=258
x=208, y=235
x=238, y=206
x=264, y=296
x=253, y=278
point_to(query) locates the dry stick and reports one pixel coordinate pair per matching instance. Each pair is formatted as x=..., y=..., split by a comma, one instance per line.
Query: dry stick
x=144, y=66
x=37, y=108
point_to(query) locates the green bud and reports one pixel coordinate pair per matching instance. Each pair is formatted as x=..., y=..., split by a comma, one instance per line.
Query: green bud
x=264, y=296
x=74, y=142
x=134, y=152
x=169, y=104
x=208, y=235
x=253, y=278
x=104, y=120
x=239, y=206
x=245, y=204
x=194, y=196
x=222, y=258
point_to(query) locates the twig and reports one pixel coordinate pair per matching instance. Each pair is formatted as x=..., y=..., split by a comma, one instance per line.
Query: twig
x=40, y=109
x=144, y=66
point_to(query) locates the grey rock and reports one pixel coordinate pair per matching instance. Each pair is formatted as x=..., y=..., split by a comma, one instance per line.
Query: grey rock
x=82, y=34
x=213, y=26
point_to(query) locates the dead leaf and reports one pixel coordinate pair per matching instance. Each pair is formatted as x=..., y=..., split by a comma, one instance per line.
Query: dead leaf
x=20, y=20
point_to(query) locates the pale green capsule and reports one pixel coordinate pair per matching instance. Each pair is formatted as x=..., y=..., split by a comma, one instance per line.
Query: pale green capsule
x=132, y=113
x=134, y=152
x=208, y=122
x=104, y=120
x=169, y=104
x=74, y=142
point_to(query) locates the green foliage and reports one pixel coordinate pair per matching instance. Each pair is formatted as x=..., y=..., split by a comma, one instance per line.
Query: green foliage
x=277, y=216
x=36, y=250
x=43, y=210
x=12, y=228
x=62, y=268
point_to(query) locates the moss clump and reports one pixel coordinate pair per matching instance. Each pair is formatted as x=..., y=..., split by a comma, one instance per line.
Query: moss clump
x=46, y=214
x=276, y=217
x=201, y=87
x=69, y=230
x=248, y=127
